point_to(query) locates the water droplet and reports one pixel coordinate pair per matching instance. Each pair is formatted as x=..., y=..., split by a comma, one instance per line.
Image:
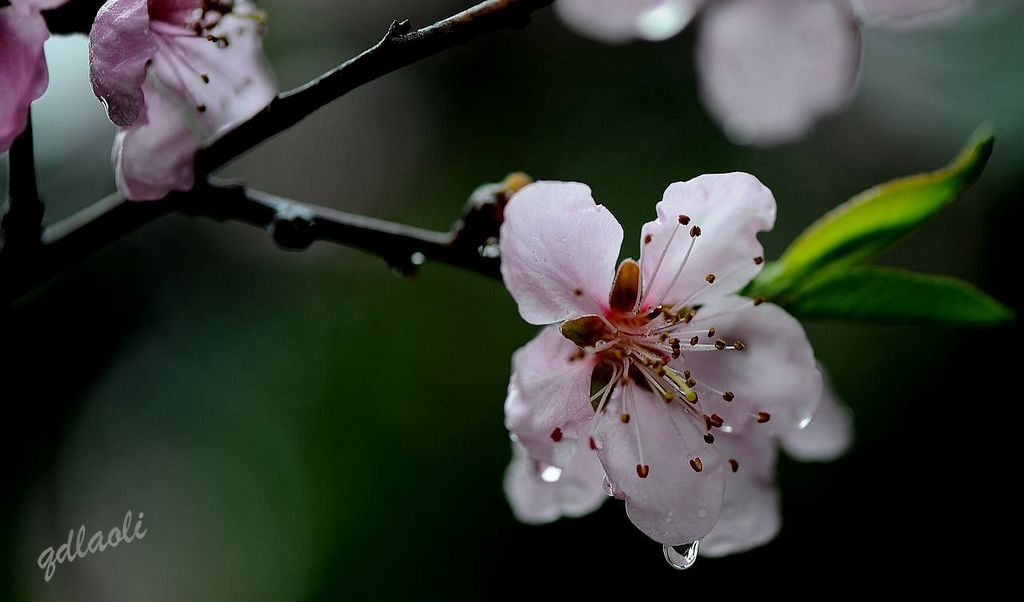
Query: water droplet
x=417, y=258
x=803, y=423
x=681, y=557
x=550, y=474
x=607, y=486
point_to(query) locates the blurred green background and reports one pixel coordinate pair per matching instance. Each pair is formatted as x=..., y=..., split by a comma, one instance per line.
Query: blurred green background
x=306, y=426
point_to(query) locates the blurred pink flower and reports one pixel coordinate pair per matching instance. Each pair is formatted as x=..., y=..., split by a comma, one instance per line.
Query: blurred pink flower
x=769, y=69
x=23, y=75
x=174, y=74
x=675, y=383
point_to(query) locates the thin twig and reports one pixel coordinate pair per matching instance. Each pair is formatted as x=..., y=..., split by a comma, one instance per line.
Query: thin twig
x=398, y=48
x=293, y=225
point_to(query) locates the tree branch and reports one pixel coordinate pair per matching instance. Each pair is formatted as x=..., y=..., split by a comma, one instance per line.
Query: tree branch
x=292, y=224
x=399, y=47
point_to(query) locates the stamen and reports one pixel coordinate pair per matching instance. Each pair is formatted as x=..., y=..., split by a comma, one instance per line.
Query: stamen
x=709, y=438
x=696, y=465
x=556, y=435
x=763, y=417
x=643, y=470
x=758, y=260
x=734, y=464
x=728, y=396
x=758, y=300
x=739, y=345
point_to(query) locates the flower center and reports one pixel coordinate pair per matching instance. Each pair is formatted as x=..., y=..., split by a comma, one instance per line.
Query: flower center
x=646, y=345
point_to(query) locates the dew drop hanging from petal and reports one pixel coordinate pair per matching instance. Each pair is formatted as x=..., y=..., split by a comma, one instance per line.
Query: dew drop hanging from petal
x=681, y=557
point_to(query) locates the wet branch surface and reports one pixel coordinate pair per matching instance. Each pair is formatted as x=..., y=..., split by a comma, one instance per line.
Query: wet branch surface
x=293, y=225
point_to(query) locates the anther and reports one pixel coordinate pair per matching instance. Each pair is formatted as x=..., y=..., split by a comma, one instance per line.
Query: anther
x=556, y=435
x=758, y=260
x=758, y=300
x=578, y=292
x=684, y=219
x=728, y=396
x=593, y=444
x=763, y=417
x=739, y=345
x=716, y=421
x=696, y=465
x=695, y=231
x=734, y=464
x=711, y=332
x=720, y=344
x=201, y=108
x=710, y=278
x=647, y=239
x=642, y=470
x=709, y=438
x=205, y=77
x=694, y=341
x=686, y=374
x=624, y=418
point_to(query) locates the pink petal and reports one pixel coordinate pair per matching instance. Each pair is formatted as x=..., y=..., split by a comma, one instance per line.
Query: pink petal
x=155, y=157
x=240, y=80
x=730, y=209
x=828, y=435
x=907, y=14
x=619, y=21
x=23, y=75
x=775, y=373
x=673, y=504
x=120, y=46
x=549, y=390
x=750, y=513
x=770, y=69
x=39, y=4
x=534, y=500
x=558, y=251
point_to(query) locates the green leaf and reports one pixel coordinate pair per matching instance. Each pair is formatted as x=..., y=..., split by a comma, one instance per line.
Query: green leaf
x=888, y=294
x=872, y=221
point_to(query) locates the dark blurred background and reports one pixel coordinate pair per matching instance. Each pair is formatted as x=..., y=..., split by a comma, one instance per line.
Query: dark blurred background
x=306, y=426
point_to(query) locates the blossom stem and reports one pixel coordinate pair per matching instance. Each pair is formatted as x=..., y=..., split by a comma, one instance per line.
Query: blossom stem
x=292, y=224
x=23, y=221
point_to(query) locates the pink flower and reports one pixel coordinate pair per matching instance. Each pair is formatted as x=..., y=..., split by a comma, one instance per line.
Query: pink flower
x=23, y=75
x=174, y=74
x=675, y=383
x=769, y=69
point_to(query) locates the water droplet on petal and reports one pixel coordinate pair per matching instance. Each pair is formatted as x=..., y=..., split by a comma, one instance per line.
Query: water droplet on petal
x=417, y=258
x=607, y=486
x=681, y=557
x=803, y=423
x=550, y=474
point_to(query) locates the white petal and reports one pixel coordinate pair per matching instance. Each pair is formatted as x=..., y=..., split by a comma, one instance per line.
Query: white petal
x=558, y=251
x=827, y=436
x=549, y=390
x=730, y=209
x=535, y=500
x=769, y=70
x=673, y=504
